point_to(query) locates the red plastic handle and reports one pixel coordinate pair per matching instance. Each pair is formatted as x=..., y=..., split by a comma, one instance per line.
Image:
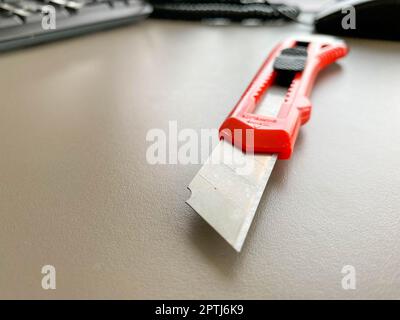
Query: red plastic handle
x=278, y=134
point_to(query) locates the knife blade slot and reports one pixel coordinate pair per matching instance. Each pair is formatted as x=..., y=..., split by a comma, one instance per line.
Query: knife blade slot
x=271, y=101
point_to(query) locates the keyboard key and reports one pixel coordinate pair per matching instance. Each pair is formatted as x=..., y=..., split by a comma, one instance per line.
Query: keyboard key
x=7, y=21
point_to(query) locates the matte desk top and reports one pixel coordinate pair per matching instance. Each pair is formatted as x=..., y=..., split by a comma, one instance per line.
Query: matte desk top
x=76, y=191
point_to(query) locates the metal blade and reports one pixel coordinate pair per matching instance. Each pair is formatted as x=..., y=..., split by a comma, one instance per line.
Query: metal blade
x=227, y=200
x=228, y=188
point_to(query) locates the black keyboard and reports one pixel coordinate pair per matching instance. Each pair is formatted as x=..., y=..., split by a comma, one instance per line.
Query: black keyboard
x=28, y=22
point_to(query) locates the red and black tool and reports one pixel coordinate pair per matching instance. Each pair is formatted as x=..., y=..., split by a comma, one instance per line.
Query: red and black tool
x=296, y=63
x=273, y=107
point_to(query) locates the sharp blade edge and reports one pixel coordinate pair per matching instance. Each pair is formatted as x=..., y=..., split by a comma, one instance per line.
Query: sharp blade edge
x=225, y=199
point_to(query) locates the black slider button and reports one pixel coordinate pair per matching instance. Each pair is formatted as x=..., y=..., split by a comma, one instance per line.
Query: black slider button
x=288, y=63
x=291, y=59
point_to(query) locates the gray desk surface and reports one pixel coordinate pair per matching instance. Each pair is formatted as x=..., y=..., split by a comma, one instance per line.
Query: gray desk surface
x=76, y=191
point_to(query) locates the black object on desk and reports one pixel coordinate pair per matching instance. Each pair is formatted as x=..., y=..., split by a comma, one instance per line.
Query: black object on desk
x=233, y=10
x=379, y=19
